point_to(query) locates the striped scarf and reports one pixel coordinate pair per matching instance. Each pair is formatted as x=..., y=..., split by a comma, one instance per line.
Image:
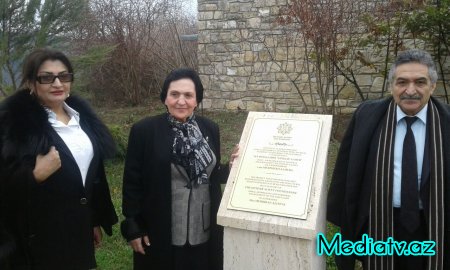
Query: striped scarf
x=381, y=209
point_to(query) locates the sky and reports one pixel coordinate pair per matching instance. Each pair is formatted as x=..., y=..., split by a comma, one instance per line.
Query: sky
x=191, y=6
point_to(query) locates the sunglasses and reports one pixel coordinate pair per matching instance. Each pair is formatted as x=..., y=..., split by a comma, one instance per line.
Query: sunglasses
x=50, y=78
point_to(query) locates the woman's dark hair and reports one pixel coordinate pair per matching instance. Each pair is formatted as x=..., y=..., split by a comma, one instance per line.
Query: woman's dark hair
x=183, y=73
x=35, y=59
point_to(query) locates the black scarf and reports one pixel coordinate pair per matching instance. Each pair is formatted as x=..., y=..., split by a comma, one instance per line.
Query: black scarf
x=381, y=211
x=190, y=149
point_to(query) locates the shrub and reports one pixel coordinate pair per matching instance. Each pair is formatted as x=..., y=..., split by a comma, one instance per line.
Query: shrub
x=120, y=136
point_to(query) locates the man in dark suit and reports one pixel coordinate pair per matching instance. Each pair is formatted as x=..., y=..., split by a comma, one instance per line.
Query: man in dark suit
x=392, y=177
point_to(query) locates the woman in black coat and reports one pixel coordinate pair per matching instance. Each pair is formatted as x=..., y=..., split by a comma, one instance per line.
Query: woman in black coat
x=54, y=196
x=171, y=185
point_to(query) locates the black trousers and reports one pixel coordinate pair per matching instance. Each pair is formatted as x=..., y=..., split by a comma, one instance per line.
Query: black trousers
x=177, y=258
x=191, y=257
x=402, y=234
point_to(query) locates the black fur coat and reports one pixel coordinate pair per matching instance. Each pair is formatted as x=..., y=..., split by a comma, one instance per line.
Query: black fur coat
x=36, y=218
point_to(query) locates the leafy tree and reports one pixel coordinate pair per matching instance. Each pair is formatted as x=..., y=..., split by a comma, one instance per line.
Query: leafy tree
x=432, y=24
x=426, y=22
x=28, y=24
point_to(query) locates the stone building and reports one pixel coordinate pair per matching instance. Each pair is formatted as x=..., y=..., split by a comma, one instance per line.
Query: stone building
x=249, y=62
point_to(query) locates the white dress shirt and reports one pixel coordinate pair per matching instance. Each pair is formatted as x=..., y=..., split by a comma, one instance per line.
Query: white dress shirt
x=75, y=138
x=419, y=131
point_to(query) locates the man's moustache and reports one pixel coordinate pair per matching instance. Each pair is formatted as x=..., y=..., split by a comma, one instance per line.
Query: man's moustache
x=410, y=98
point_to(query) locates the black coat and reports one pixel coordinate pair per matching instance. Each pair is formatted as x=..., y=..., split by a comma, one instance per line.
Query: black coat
x=349, y=193
x=147, y=190
x=50, y=225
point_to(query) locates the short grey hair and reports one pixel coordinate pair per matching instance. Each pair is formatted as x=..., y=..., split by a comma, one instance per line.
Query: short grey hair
x=414, y=56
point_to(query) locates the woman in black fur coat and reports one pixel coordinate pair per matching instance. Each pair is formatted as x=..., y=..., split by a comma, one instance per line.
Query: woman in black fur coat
x=54, y=197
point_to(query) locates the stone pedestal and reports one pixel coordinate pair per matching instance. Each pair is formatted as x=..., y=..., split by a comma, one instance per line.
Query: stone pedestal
x=260, y=241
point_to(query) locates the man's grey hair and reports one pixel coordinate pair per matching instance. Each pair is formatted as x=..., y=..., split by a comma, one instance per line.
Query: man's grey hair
x=415, y=56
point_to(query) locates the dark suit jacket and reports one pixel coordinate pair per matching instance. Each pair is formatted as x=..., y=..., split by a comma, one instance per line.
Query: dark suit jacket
x=51, y=224
x=350, y=189
x=147, y=189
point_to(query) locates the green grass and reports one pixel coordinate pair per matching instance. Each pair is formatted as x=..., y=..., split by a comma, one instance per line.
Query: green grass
x=114, y=252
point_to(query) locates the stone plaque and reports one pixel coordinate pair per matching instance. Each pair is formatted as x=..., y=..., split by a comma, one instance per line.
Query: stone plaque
x=276, y=167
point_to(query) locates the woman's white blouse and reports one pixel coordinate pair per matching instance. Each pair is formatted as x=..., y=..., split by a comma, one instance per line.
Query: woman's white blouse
x=75, y=139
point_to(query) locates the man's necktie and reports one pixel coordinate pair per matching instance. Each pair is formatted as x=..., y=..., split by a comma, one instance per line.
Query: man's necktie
x=410, y=213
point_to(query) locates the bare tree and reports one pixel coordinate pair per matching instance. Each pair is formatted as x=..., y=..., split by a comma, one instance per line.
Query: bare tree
x=330, y=33
x=142, y=39
x=340, y=37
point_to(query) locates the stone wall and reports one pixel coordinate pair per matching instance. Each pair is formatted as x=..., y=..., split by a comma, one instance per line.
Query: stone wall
x=248, y=62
